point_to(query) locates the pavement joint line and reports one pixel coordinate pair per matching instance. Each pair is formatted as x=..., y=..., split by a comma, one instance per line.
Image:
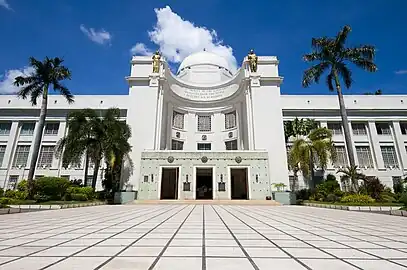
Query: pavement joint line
x=142, y=236
x=98, y=242
x=44, y=231
x=203, y=239
x=170, y=240
x=68, y=240
x=237, y=241
x=358, y=249
x=361, y=239
x=313, y=246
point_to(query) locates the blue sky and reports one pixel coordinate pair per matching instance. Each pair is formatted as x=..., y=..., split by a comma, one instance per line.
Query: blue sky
x=98, y=53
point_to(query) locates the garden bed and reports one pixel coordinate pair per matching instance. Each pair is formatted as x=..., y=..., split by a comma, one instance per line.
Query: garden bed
x=372, y=207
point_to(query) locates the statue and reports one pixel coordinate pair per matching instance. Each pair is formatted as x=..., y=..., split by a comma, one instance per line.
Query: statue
x=252, y=57
x=156, y=62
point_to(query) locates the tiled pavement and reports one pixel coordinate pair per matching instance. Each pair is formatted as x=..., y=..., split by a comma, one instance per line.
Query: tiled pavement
x=187, y=237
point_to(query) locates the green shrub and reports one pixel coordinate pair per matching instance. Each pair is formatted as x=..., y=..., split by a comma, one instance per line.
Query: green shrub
x=102, y=195
x=331, y=198
x=357, y=198
x=9, y=193
x=5, y=202
x=403, y=198
x=387, y=198
x=53, y=187
x=22, y=186
x=373, y=187
x=87, y=191
x=303, y=194
x=41, y=198
x=79, y=197
x=398, y=187
x=1, y=192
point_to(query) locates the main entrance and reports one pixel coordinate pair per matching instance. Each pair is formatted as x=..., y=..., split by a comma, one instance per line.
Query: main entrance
x=239, y=184
x=169, y=183
x=204, y=183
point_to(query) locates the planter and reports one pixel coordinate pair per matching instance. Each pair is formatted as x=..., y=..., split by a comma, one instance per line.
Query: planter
x=123, y=197
x=284, y=197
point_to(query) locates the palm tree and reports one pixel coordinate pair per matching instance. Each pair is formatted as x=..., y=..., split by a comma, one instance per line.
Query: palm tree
x=80, y=140
x=308, y=151
x=47, y=74
x=332, y=56
x=352, y=174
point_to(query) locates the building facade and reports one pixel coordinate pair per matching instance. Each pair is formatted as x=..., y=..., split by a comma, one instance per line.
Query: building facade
x=209, y=133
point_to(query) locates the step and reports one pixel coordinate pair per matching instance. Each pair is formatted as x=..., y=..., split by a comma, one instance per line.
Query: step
x=213, y=202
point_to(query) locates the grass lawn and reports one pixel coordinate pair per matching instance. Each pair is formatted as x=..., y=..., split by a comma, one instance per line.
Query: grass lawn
x=358, y=204
x=16, y=202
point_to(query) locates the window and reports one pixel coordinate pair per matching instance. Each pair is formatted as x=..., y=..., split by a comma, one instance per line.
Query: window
x=89, y=179
x=383, y=128
x=403, y=128
x=21, y=156
x=364, y=156
x=358, y=129
x=5, y=129
x=341, y=157
x=231, y=145
x=389, y=156
x=204, y=123
x=27, y=129
x=12, y=182
x=177, y=145
x=51, y=129
x=2, y=152
x=336, y=128
x=46, y=156
x=178, y=120
x=204, y=146
x=230, y=120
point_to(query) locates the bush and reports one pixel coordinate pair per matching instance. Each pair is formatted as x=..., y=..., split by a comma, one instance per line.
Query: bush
x=303, y=194
x=87, y=191
x=398, y=187
x=41, y=198
x=102, y=195
x=53, y=187
x=331, y=198
x=9, y=193
x=403, y=198
x=1, y=192
x=79, y=197
x=5, y=202
x=22, y=186
x=357, y=198
x=387, y=198
x=373, y=187
x=331, y=177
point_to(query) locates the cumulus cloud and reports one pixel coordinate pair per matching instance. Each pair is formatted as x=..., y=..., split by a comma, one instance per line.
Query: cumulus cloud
x=3, y=3
x=401, y=72
x=178, y=38
x=100, y=37
x=141, y=49
x=7, y=80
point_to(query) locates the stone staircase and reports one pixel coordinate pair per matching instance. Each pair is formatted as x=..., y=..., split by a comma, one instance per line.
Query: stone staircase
x=211, y=202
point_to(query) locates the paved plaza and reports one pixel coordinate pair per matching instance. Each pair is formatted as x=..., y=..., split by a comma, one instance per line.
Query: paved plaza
x=187, y=237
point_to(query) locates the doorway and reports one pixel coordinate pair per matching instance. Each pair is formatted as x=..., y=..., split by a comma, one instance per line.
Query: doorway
x=204, y=183
x=169, y=183
x=239, y=184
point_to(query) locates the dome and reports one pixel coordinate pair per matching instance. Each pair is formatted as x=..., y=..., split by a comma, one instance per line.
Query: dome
x=204, y=58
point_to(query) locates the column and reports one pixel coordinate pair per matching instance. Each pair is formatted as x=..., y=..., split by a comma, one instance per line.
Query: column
x=399, y=144
x=375, y=144
x=158, y=121
x=249, y=117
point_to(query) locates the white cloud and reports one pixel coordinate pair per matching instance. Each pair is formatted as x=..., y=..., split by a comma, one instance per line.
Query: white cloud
x=401, y=72
x=100, y=37
x=4, y=4
x=7, y=80
x=178, y=38
x=141, y=49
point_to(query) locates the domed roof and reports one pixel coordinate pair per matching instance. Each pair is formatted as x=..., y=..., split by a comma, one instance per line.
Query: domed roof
x=204, y=58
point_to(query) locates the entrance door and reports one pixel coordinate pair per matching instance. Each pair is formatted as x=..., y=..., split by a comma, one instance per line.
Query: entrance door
x=239, y=184
x=204, y=181
x=169, y=183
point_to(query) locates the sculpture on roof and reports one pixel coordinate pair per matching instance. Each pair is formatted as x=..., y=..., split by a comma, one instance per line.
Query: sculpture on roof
x=252, y=57
x=156, y=62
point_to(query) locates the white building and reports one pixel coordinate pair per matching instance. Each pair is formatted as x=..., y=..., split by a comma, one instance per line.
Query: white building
x=205, y=133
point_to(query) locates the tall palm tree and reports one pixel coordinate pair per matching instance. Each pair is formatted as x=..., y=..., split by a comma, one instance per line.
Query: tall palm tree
x=332, y=56
x=308, y=151
x=47, y=74
x=352, y=174
x=80, y=140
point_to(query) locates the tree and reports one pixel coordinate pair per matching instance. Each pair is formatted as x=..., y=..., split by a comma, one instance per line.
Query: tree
x=333, y=56
x=47, y=74
x=80, y=140
x=315, y=149
x=352, y=174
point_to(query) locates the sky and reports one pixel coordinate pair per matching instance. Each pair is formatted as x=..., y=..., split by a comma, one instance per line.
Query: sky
x=98, y=38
